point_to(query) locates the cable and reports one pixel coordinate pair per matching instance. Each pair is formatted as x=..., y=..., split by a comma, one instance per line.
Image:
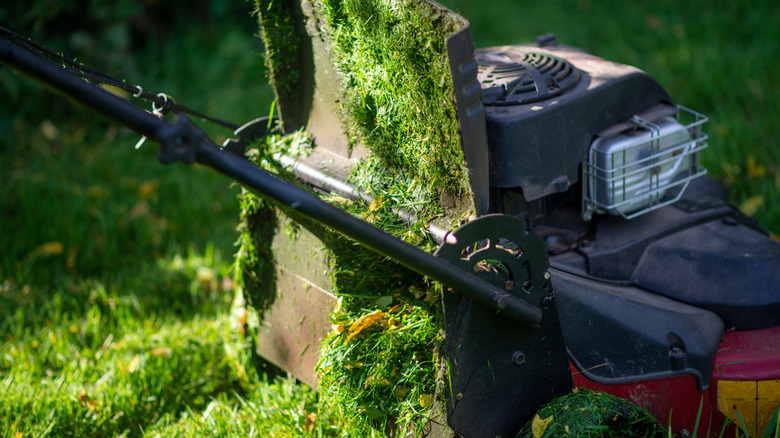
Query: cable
x=161, y=102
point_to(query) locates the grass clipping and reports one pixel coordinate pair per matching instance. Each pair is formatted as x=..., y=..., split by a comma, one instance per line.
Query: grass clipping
x=378, y=366
x=400, y=102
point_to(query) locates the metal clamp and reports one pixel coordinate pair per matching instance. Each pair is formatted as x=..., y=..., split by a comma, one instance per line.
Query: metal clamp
x=179, y=140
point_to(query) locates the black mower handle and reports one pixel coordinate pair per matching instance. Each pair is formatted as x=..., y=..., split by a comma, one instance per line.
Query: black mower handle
x=183, y=141
x=381, y=242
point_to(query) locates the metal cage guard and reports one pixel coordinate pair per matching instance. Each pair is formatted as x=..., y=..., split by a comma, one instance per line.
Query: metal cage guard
x=600, y=180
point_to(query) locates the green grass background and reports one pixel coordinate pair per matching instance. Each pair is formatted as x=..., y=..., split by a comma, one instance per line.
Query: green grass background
x=115, y=283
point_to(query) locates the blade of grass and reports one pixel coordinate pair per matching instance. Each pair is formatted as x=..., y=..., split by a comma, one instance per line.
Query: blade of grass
x=742, y=425
x=773, y=423
x=698, y=416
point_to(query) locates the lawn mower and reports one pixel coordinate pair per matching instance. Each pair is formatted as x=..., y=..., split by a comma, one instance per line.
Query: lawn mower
x=600, y=255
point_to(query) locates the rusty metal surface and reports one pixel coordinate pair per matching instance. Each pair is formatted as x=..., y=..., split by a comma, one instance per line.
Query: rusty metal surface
x=294, y=326
x=295, y=311
x=324, y=121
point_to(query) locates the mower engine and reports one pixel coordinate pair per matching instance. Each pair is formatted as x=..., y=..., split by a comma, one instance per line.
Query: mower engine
x=659, y=281
x=557, y=115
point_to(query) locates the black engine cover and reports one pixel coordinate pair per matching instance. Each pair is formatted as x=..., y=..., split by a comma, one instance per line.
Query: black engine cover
x=700, y=251
x=619, y=334
x=721, y=265
x=538, y=142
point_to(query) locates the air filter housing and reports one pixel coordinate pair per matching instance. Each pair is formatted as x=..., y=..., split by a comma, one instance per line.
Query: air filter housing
x=644, y=166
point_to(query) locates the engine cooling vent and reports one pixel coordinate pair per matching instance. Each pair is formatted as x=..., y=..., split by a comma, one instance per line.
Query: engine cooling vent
x=514, y=75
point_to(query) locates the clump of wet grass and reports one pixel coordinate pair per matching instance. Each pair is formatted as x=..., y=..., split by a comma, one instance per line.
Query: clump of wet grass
x=399, y=98
x=283, y=51
x=585, y=413
x=377, y=367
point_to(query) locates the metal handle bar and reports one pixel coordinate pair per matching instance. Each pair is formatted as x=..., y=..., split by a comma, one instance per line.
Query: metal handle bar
x=183, y=141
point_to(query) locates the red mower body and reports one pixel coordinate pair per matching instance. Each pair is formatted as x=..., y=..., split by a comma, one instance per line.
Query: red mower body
x=745, y=378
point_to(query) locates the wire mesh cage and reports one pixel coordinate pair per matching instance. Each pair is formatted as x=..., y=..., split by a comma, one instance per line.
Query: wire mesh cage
x=645, y=167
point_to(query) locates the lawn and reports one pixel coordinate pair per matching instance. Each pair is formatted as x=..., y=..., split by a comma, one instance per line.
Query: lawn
x=115, y=271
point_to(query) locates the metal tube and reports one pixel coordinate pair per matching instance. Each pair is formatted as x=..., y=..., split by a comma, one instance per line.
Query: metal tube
x=326, y=182
x=321, y=180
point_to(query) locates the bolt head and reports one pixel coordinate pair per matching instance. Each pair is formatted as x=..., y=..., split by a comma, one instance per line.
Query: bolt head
x=518, y=358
